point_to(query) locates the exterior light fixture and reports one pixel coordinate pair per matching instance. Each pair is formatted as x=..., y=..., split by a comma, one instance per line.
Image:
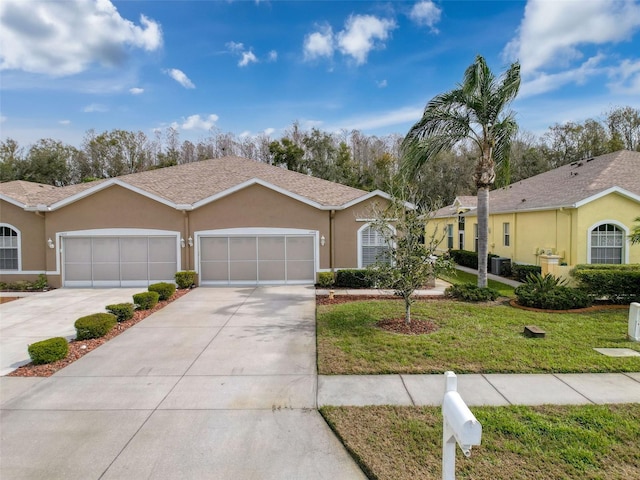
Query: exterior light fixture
x=182, y=242
x=50, y=243
x=322, y=240
x=190, y=240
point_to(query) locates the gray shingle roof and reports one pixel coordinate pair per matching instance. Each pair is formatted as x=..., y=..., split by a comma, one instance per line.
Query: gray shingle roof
x=567, y=185
x=24, y=192
x=190, y=183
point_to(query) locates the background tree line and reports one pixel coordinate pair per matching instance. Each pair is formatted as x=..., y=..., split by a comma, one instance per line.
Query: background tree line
x=350, y=158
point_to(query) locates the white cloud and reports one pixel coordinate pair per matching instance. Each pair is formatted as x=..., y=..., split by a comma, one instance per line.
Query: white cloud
x=3, y=118
x=362, y=34
x=426, y=14
x=269, y=131
x=625, y=79
x=375, y=120
x=196, y=122
x=95, y=107
x=319, y=44
x=235, y=46
x=180, y=77
x=65, y=122
x=552, y=34
x=67, y=37
x=273, y=56
x=136, y=91
x=247, y=58
x=381, y=84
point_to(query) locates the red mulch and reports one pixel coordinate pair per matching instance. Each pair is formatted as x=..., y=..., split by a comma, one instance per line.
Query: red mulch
x=8, y=299
x=416, y=327
x=77, y=349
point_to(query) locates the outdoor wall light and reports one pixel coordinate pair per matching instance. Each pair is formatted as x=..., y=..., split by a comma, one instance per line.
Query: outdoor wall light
x=322, y=240
x=190, y=240
x=50, y=243
x=182, y=242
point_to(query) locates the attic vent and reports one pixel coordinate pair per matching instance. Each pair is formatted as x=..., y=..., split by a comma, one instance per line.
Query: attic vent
x=589, y=159
x=524, y=199
x=580, y=164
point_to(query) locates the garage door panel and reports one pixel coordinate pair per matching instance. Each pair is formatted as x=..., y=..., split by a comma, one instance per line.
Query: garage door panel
x=162, y=271
x=106, y=271
x=214, y=248
x=271, y=271
x=242, y=248
x=78, y=250
x=135, y=249
x=105, y=250
x=215, y=271
x=299, y=248
x=78, y=271
x=135, y=271
x=243, y=271
x=162, y=249
x=271, y=248
x=300, y=270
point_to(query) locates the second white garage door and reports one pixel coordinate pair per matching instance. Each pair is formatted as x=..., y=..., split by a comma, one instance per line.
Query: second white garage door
x=257, y=259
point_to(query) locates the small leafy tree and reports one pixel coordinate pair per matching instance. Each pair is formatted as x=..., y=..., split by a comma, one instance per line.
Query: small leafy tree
x=409, y=263
x=635, y=233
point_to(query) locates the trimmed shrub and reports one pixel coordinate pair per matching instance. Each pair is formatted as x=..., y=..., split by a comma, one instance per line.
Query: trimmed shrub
x=94, y=326
x=146, y=300
x=471, y=293
x=48, y=351
x=122, y=311
x=466, y=258
x=521, y=271
x=558, y=298
x=617, y=283
x=185, y=278
x=165, y=290
x=325, y=279
x=353, y=278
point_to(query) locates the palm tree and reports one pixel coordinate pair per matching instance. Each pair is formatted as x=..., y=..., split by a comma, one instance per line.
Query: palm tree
x=635, y=233
x=474, y=112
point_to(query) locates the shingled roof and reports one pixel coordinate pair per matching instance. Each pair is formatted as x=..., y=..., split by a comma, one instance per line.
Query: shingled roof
x=569, y=185
x=195, y=182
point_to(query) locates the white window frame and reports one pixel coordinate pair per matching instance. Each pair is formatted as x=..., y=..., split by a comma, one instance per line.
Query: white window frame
x=450, y=237
x=361, y=243
x=19, y=241
x=506, y=234
x=625, y=237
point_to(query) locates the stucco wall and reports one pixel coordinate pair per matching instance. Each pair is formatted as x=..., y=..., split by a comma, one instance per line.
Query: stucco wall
x=32, y=239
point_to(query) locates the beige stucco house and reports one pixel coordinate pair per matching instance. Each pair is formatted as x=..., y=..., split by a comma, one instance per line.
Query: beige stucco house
x=232, y=220
x=578, y=213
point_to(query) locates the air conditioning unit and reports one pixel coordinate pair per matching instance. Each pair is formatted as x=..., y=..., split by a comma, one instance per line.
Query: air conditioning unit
x=500, y=265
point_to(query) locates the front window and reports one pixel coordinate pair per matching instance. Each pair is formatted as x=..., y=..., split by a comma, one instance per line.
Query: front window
x=374, y=246
x=450, y=236
x=607, y=242
x=8, y=248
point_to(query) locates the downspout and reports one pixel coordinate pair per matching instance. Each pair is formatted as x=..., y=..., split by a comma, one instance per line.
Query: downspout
x=185, y=214
x=332, y=235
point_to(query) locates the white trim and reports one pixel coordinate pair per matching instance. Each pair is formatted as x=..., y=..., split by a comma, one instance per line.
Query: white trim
x=359, y=240
x=19, y=238
x=375, y=193
x=12, y=201
x=625, y=247
x=256, y=232
x=112, y=232
x=618, y=190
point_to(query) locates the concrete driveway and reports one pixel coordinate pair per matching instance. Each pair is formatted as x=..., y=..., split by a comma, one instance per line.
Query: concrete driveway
x=49, y=314
x=220, y=384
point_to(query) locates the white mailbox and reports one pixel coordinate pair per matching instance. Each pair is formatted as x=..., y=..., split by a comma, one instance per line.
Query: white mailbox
x=459, y=426
x=634, y=322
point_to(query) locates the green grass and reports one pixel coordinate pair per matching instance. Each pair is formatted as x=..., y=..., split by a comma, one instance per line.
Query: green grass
x=520, y=443
x=458, y=277
x=471, y=338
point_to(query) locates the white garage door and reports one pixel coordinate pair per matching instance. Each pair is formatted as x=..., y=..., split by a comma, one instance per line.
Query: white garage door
x=127, y=261
x=261, y=259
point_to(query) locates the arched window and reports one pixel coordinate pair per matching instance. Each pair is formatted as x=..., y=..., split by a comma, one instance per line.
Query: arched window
x=373, y=246
x=9, y=245
x=607, y=244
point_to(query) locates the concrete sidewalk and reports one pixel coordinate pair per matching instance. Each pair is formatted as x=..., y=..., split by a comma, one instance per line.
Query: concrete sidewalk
x=491, y=276
x=437, y=291
x=219, y=384
x=478, y=390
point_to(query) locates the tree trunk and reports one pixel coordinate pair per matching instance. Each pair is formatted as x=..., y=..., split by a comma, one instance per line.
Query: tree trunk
x=483, y=235
x=407, y=311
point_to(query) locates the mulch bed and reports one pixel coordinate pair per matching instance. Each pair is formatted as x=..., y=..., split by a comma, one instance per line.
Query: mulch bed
x=78, y=349
x=8, y=299
x=416, y=327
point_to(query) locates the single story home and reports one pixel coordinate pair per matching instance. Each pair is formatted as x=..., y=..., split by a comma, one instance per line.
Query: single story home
x=232, y=220
x=578, y=213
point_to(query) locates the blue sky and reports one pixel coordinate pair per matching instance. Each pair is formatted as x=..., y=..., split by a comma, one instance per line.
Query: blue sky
x=255, y=67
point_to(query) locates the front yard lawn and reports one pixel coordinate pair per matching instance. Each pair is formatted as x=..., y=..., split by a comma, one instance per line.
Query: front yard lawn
x=470, y=338
x=520, y=443
x=458, y=277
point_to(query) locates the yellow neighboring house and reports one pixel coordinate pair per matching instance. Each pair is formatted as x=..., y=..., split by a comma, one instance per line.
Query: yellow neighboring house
x=577, y=213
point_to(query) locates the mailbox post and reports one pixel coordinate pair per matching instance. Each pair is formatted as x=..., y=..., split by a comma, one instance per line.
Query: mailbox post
x=459, y=426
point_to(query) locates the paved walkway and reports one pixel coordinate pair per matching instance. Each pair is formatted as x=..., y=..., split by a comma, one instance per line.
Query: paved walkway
x=219, y=384
x=491, y=276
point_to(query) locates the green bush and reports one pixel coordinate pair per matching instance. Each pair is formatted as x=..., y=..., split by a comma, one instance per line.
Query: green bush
x=94, y=326
x=326, y=279
x=352, y=278
x=165, y=290
x=617, y=283
x=48, y=351
x=146, y=300
x=521, y=271
x=185, y=278
x=122, y=311
x=471, y=293
x=466, y=258
x=557, y=298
